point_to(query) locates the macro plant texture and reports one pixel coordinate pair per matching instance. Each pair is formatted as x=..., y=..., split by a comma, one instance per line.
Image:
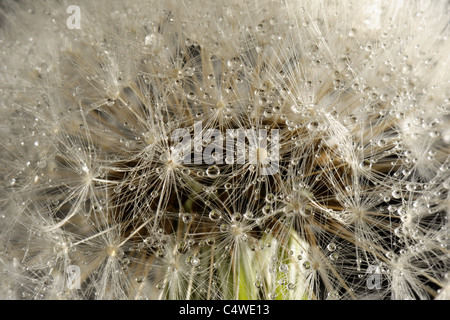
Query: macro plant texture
x=96, y=204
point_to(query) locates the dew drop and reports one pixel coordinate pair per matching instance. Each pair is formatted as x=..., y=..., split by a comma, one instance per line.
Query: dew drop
x=140, y=279
x=187, y=218
x=191, y=96
x=396, y=194
x=331, y=246
x=283, y=268
x=248, y=215
x=270, y=198
x=215, y=215
x=213, y=171
x=381, y=143
x=446, y=184
x=210, y=241
x=334, y=256
x=224, y=227
x=182, y=247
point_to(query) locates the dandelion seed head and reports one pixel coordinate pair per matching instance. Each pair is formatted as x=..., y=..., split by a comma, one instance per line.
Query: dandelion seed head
x=92, y=177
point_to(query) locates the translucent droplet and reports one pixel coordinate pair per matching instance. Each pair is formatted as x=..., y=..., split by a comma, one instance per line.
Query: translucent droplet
x=312, y=125
x=267, y=209
x=186, y=218
x=334, y=256
x=381, y=143
x=151, y=40
x=390, y=255
x=306, y=265
x=283, y=268
x=215, y=215
x=160, y=253
x=434, y=134
x=248, y=215
x=407, y=68
x=224, y=227
x=237, y=217
x=194, y=261
x=140, y=279
x=446, y=184
x=210, y=241
x=213, y=171
x=189, y=71
x=182, y=247
x=331, y=246
x=154, y=194
x=396, y=194
x=191, y=96
x=270, y=198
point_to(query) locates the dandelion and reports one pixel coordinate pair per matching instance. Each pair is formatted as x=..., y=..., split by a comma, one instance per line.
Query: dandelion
x=202, y=150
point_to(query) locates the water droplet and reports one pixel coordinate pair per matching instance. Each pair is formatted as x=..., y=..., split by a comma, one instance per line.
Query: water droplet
x=446, y=184
x=283, y=268
x=312, y=125
x=210, y=241
x=151, y=40
x=193, y=261
x=381, y=143
x=215, y=215
x=213, y=171
x=183, y=247
x=191, y=96
x=267, y=209
x=224, y=227
x=270, y=198
x=331, y=246
x=237, y=217
x=295, y=108
x=187, y=218
x=160, y=253
x=396, y=194
x=248, y=215
x=334, y=256
x=390, y=255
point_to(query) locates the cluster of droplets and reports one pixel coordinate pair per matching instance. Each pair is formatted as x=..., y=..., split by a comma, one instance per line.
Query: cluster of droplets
x=92, y=176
